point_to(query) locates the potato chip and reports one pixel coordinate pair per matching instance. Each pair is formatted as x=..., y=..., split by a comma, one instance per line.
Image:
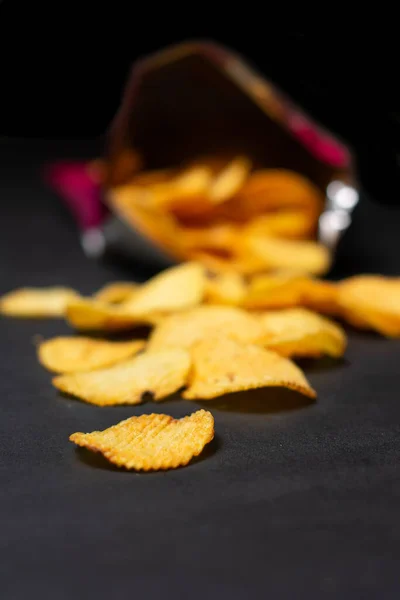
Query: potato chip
x=293, y=224
x=221, y=237
x=277, y=253
x=321, y=296
x=229, y=181
x=158, y=373
x=174, y=289
x=300, y=332
x=371, y=301
x=222, y=365
x=72, y=354
x=185, y=329
x=86, y=314
x=36, y=302
x=151, y=442
x=226, y=288
x=116, y=292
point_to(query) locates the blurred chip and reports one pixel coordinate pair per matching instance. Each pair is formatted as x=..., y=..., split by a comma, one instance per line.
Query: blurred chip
x=72, y=354
x=158, y=373
x=219, y=238
x=86, y=314
x=175, y=289
x=151, y=442
x=185, y=329
x=372, y=302
x=36, y=302
x=116, y=292
x=276, y=253
x=221, y=365
x=321, y=296
x=300, y=332
x=226, y=288
x=293, y=224
x=229, y=181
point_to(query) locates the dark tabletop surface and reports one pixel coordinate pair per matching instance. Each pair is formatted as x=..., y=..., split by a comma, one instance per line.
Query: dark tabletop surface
x=294, y=503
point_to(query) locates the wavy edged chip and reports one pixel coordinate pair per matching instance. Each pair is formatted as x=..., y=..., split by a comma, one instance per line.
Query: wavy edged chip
x=187, y=328
x=276, y=253
x=158, y=373
x=226, y=288
x=86, y=314
x=151, y=442
x=36, y=302
x=300, y=332
x=116, y=292
x=223, y=365
x=175, y=289
x=372, y=302
x=72, y=354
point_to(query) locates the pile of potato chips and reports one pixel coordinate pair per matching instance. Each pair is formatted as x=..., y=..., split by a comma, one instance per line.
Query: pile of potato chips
x=211, y=333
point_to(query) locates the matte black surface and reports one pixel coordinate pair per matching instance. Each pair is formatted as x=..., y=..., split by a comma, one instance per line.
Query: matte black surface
x=289, y=504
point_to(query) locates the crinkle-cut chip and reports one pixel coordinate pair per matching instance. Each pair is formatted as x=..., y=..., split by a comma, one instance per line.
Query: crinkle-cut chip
x=294, y=224
x=151, y=442
x=222, y=365
x=174, y=289
x=300, y=332
x=185, y=329
x=36, y=302
x=116, y=292
x=73, y=354
x=226, y=288
x=274, y=189
x=159, y=373
x=277, y=253
x=371, y=301
x=86, y=314
x=229, y=181
x=220, y=237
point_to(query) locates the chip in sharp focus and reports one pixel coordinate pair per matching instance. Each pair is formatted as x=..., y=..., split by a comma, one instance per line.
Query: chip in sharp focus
x=151, y=442
x=174, y=289
x=300, y=332
x=116, y=292
x=72, y=354
x=185, y=329
x=158, y=373
x=86, y=314
x=222, y=365
x=371, y=301
x=36, y=302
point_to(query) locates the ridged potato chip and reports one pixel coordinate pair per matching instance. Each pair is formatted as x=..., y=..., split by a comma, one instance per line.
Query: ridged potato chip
x=175, y=289
x=72, y=354
x=277, y=253
x=36, y=302
x=116, y=292
x=300, y=332
x=151, y=442
x=223, y=365
x=86, y=314
x=185, y=329
x=226, y=288
x=372, y=302
x=229, y=181
x=158, y=373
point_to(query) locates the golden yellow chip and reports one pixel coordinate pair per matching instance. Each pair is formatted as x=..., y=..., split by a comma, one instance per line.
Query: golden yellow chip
x=185, y=329
x=279, y=290
x=116, y=292
x=220, y=238
x=158, y=373
x=294, y=224
x=226, y=288
x=371, y=301
x=277, y=253
x=86, y=314
x=175, y=289
x=229, y=181
x=300, y=332
x=36, y=302
x=151, y=442
x=72, y=354
x=222, y=365
x=321, y=296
